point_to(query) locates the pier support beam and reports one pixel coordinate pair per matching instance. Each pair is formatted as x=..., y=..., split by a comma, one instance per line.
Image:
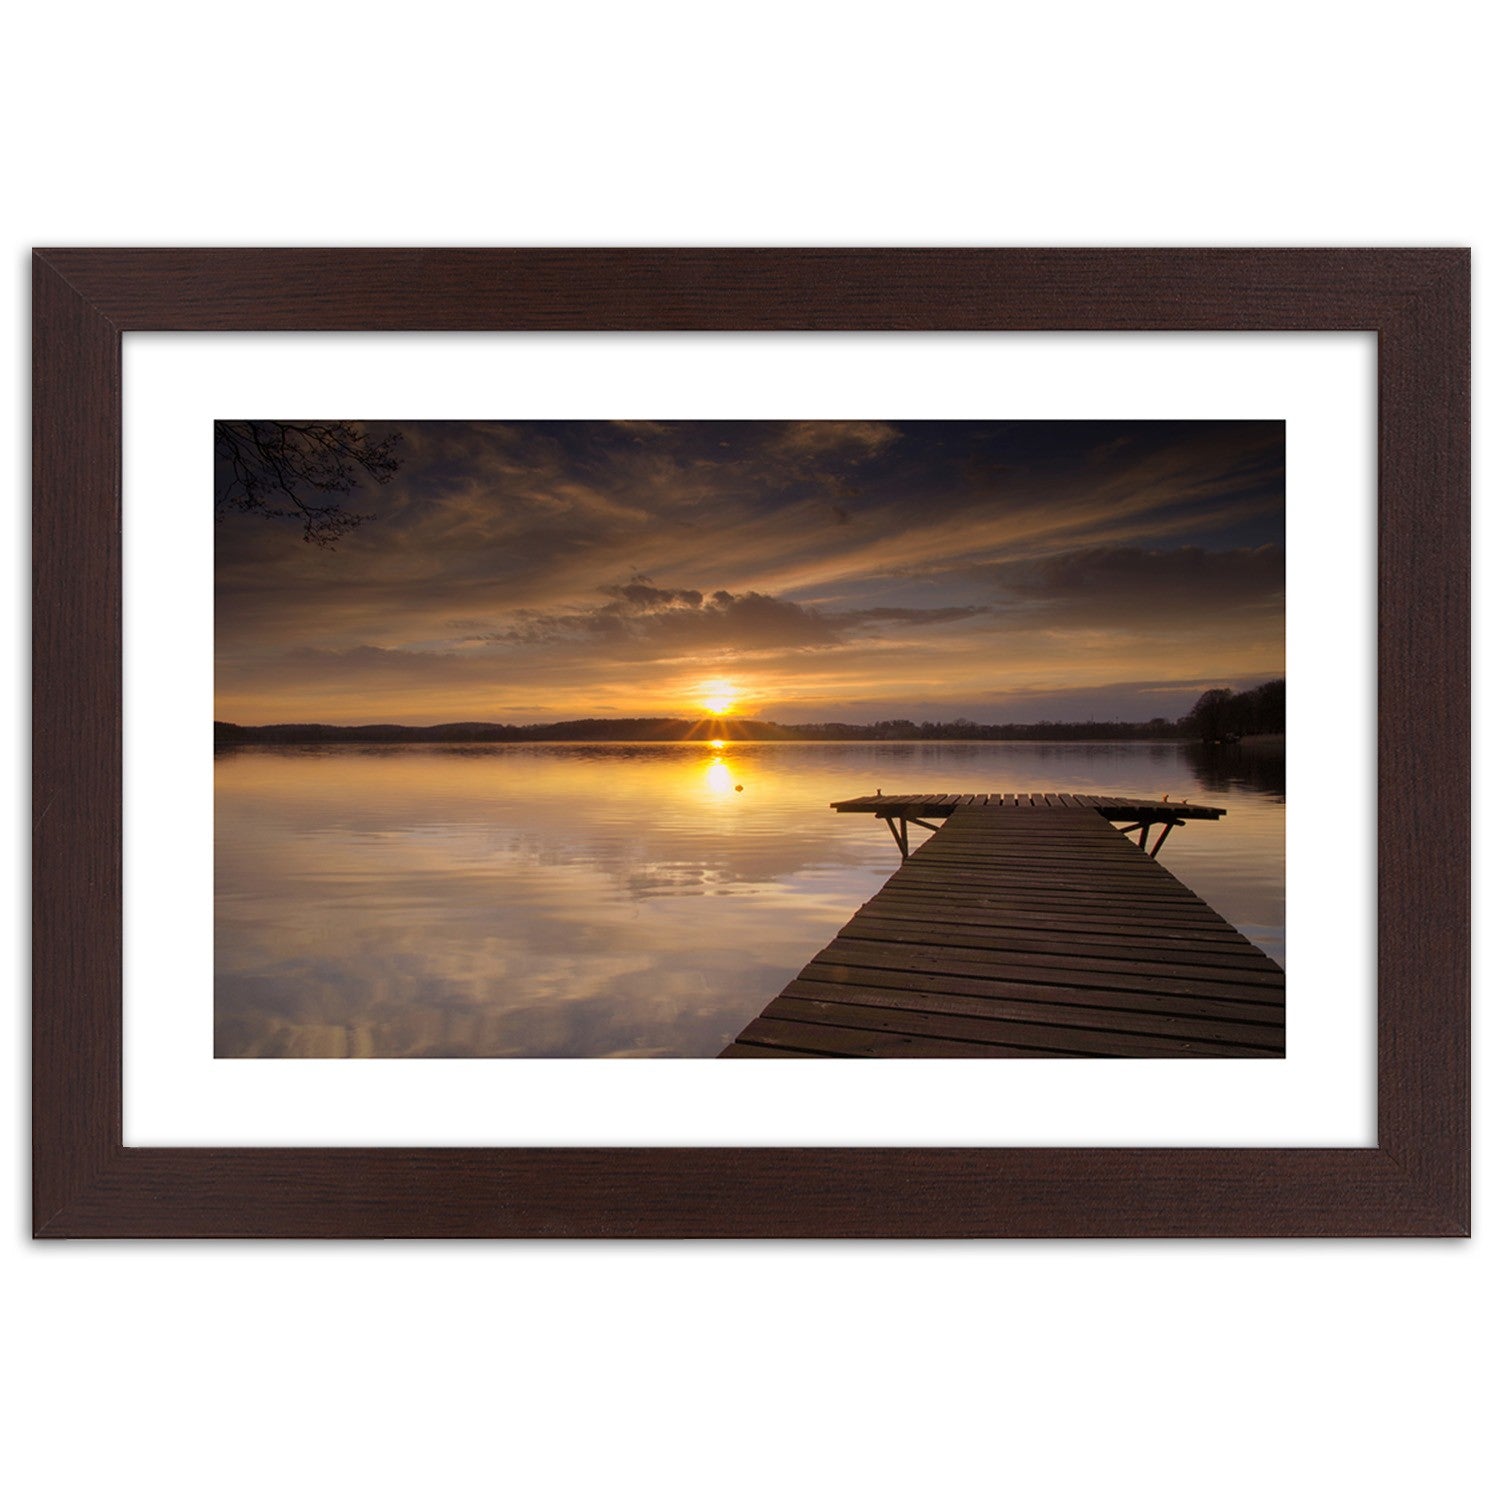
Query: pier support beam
x=1139, y=815
x=903, y=837
x=1161, y=838
x=900, y=838
x=1145, y=826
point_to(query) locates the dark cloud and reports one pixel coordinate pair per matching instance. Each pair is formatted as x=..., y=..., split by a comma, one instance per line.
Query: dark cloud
x=367, y=658
x=641, y=598
x=847, y=440
x=669, y=621
x=918, y=617
x=1144, y=585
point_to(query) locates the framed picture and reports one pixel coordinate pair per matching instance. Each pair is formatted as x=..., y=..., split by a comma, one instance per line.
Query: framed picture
x=555, y=595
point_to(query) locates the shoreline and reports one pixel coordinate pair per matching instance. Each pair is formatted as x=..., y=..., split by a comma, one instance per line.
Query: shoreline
x=232, y=736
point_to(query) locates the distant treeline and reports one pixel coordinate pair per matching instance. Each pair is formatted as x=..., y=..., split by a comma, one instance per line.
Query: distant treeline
x=1218, y=715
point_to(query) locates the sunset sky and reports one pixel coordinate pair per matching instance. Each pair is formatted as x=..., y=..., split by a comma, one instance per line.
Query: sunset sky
x=798, y=571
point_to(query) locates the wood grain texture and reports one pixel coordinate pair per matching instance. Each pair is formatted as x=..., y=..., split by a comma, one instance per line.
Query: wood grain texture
x=898, y=977
x=76, y=701
x=1415, y=1182
x=714, y=289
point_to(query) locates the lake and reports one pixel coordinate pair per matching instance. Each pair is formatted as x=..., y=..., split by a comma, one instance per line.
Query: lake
x=618, y=900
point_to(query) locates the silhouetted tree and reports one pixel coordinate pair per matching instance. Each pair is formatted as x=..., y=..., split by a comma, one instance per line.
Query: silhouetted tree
x=1268, y=707
x=278, y=469
x=1209, y=717
x=1222, y=714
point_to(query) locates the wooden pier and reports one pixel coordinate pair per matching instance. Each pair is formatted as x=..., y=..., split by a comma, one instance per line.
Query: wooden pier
x=1028, y=925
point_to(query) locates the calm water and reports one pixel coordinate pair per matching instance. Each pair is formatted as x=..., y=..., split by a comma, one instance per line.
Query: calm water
x=615, y=900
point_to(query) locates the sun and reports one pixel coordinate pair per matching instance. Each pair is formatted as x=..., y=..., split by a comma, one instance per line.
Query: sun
x=719, y=698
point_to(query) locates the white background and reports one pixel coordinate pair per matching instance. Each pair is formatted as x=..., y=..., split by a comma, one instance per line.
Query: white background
x=1075, y=1369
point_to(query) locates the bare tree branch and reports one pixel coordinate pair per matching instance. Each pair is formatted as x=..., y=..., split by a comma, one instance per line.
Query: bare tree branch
x=278, y=469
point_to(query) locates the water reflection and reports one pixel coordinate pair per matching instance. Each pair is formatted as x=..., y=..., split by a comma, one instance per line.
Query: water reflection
x=529, y=900
x=1256, y=764
x=720, y=782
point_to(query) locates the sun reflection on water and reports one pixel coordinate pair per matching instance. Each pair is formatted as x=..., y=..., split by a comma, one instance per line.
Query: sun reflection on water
x=719, y=776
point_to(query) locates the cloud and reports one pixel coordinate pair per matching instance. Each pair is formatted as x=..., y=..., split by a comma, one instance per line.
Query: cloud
x=640, y=597
x=668, y=622
x=1146, y=586
x=834, y=557
x=917, y=617
x=849, y=440
x=488, y=519
x=368, y=658
x=646, y=622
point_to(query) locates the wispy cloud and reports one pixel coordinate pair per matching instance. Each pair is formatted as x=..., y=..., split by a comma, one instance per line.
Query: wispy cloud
x=851, y=440
x=1146, y=586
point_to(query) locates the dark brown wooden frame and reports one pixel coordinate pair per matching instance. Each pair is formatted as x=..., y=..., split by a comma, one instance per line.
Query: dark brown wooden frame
x=1415, y=1182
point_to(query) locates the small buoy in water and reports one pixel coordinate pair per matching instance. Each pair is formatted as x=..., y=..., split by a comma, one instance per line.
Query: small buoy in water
x=739, y=789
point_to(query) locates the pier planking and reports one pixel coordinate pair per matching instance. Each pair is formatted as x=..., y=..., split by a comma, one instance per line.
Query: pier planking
x=1028, y=925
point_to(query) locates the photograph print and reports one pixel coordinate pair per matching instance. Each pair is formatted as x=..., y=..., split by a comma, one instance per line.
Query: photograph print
x=749, y=739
